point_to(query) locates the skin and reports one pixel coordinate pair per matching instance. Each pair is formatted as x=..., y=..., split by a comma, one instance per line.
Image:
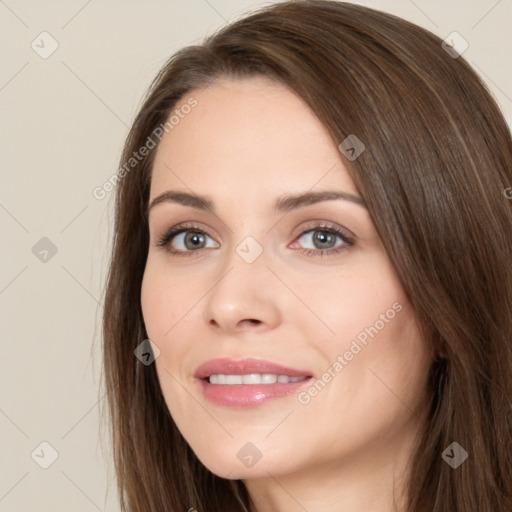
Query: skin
x=246, y=143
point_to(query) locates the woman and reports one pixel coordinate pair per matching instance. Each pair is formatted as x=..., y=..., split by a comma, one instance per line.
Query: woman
x=243, y=371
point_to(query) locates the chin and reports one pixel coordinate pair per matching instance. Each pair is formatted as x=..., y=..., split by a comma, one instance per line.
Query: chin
x=242, y=463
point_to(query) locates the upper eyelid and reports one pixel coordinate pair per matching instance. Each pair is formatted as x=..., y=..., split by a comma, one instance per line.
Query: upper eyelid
x=185, y=226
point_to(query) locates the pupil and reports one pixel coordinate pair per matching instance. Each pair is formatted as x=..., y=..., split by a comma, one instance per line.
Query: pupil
x=322, y=237
x=195, y=238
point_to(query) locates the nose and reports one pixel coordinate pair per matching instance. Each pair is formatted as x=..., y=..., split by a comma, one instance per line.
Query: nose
x=245, y=297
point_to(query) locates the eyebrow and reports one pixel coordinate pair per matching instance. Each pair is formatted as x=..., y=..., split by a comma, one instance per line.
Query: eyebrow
x=283, y=204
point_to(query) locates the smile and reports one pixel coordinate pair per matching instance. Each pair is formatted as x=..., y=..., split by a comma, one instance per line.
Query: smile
x=247, y=383
x=252, y=378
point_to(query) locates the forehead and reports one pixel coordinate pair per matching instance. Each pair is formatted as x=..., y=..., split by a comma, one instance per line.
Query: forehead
x=250, y=134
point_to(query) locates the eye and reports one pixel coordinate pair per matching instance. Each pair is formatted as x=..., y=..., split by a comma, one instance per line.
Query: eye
x=183, y=240
x=324, y=239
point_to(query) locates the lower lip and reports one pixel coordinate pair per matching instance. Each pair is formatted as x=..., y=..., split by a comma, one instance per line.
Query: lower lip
x=248, y=395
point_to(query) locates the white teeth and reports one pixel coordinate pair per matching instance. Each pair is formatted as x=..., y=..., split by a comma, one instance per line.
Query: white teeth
x=252, y=378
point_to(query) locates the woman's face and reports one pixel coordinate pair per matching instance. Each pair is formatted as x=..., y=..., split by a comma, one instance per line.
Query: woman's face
x=262, y=285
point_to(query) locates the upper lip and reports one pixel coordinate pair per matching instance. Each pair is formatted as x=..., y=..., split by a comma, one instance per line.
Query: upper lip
x=228, y=366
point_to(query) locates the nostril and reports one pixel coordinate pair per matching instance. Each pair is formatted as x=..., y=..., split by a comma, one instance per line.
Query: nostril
x=253, y=321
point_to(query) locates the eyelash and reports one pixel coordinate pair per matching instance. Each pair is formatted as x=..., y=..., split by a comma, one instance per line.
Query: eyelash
x=165, y=240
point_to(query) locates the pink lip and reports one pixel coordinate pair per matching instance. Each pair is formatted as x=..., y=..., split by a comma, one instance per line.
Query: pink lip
x=242, y=395
x=244, y=366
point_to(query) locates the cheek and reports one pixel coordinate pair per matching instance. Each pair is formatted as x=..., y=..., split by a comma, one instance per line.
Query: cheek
x=163, y=302
x=358, y=303
x=377, y=355
x=164, y=317
x=385, y=365
x=167, y=302
x=153, y=304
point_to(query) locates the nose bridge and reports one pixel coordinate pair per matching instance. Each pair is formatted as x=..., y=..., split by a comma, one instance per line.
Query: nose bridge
x=250, y=250
x=243, y=291
x=245, y=271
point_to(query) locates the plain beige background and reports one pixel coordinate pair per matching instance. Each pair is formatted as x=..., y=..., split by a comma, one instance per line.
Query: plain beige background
x=64, y=118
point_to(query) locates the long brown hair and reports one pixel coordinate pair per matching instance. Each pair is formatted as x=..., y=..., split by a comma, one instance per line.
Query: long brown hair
x=437, y=160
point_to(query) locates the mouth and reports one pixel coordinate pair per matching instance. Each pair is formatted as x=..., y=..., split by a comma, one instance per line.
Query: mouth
x=251, y=379
x=248, y=382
